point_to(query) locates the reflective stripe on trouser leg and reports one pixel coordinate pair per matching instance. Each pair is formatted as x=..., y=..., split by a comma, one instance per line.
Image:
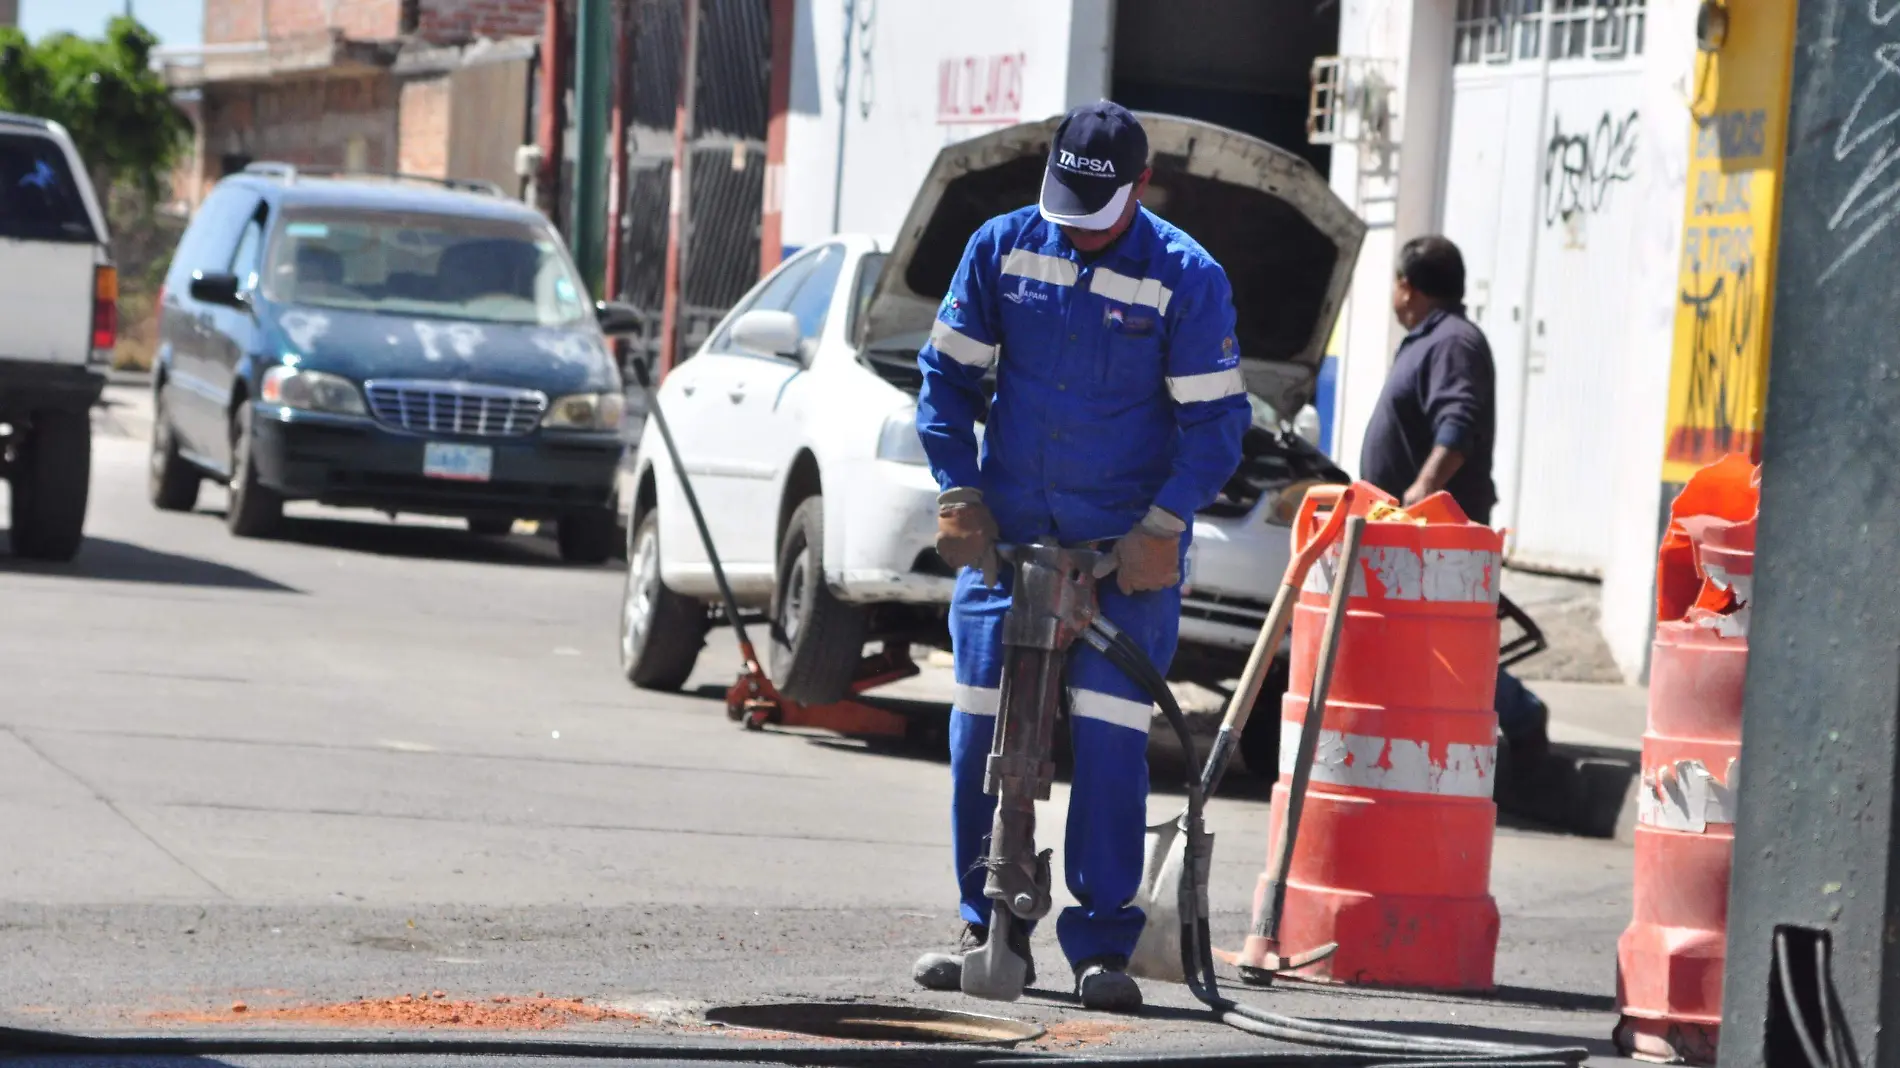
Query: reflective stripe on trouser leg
x=1108, y=799
x=976, y=641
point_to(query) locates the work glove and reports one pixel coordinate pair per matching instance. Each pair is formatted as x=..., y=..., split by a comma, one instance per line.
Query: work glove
x=1149, y=556
x=966, y=532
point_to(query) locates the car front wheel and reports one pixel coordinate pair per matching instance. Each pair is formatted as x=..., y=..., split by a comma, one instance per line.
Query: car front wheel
x=172, y=482
x=817, y=640
x=255, y=510
x=661, y=632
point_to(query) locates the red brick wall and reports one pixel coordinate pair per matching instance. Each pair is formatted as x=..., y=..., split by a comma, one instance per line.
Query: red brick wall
x=312, y=121
x=451, y=20
x=370, y=20
x=423, y=122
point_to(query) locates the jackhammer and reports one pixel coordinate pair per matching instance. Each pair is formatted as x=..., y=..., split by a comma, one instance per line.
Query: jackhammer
x=1054, y=605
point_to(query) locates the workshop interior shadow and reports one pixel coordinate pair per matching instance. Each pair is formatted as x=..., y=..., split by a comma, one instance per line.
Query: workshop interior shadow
x=106, y=560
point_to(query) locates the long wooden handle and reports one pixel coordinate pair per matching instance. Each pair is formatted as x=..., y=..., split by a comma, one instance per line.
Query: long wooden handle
x=1279, y=619
x=1315, y=718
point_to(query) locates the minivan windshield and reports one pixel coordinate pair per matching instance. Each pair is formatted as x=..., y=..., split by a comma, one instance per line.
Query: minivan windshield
x=422, y=264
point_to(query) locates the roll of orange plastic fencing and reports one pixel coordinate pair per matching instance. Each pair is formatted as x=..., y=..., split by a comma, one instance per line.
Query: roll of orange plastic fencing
x=1669, y=961
x=1393, y=860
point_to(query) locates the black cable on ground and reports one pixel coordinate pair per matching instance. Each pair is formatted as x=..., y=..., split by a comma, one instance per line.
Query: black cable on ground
x=1197, y=956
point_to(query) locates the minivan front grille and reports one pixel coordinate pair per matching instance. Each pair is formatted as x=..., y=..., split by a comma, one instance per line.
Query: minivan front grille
x=456, y=407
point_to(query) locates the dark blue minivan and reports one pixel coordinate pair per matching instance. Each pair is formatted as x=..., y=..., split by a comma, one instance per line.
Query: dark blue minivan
x=385, y=343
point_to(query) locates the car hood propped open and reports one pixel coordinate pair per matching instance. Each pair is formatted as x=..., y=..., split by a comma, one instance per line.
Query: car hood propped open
x=1287, y=242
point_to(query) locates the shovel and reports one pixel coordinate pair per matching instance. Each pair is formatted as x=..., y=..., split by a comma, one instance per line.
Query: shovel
x=1158, y=954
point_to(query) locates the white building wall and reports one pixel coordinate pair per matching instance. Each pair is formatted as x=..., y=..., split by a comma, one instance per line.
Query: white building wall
x=928, y=80
x=1635, y=504
x=1396, y=190
x=1400, y=198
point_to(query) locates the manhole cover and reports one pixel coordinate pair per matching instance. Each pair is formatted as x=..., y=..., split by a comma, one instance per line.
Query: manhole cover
x=876, y=1023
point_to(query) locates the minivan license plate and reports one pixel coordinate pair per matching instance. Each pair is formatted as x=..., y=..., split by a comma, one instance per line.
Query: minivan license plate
x=464, y=463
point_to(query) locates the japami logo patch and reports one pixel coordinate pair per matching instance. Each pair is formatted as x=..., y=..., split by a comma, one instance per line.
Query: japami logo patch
x=1069, y=161
x=1229, y=352
x=1022, y=293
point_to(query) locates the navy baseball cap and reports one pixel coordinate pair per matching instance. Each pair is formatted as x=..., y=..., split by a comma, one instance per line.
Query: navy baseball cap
x=1098, y=153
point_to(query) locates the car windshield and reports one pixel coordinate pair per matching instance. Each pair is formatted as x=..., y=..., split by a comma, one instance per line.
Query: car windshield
x=441, y=266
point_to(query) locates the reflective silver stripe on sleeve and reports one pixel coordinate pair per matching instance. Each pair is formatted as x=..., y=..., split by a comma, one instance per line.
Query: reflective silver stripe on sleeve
x=1034, y=265
x=961, y=347
x=1120, y=287
x=1208, y=387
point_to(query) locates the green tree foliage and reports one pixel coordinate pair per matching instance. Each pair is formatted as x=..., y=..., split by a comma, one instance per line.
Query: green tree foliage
x=105, y=93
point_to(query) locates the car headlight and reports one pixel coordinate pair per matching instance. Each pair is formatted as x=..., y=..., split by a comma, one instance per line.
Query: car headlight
x=586, y=411
x=898, y=441
x=311, y=391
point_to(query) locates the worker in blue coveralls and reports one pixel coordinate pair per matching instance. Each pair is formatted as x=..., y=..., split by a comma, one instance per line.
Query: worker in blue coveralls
x=1118, y=413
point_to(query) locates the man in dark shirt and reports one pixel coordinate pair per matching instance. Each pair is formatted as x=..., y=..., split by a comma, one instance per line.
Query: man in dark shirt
x=1435, y=424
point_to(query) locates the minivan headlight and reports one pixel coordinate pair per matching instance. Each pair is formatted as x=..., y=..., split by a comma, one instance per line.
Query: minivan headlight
x=311, y=391
x=586, y=411
x=898, y=441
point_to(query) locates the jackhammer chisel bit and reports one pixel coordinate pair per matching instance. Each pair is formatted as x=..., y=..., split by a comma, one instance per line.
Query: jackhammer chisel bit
x=1053, y=604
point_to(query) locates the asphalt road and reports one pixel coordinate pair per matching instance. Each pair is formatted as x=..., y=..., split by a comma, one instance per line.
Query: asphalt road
x=371, y=759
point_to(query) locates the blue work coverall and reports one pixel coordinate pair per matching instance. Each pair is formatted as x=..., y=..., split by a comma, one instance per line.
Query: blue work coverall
x=1118, y=387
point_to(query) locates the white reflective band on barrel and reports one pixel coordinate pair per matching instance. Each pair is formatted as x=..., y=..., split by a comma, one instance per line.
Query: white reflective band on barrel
x=976, y=700
x=1402, y=765
x=1149, y=291
x=1686, y=796
x=960, y=346
x=1456, y=575
x=1212, y=386
x=1092, y=704
x=1052, y=269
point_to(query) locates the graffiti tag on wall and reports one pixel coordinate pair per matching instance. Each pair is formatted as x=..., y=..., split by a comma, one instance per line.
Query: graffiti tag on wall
x=1582, y=168
x=1868, y=206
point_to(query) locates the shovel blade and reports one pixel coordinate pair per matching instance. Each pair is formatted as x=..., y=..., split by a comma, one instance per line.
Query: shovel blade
x=1158, y=954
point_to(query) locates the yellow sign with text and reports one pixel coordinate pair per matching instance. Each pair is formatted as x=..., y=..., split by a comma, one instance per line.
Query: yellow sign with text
x=1719, y=367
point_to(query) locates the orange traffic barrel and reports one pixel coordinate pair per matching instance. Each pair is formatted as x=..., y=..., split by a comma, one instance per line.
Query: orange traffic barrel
x=1393, y=859
x=1669, y=961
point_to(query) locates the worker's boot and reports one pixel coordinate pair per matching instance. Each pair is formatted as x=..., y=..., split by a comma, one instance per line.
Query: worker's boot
x=1103, y=986
x=944, y=971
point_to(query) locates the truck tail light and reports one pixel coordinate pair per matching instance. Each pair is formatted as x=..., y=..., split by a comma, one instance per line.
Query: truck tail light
x=105, y=308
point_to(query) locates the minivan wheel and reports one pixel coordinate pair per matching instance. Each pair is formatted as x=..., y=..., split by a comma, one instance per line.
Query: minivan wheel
x=1260, y=741
x=52, y=468
x=171, y=482
x=817, y=640
x=661, y=632
x=587, y=537
x=256, y=510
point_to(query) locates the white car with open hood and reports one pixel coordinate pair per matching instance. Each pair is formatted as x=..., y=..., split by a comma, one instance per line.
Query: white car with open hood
x=795, y=419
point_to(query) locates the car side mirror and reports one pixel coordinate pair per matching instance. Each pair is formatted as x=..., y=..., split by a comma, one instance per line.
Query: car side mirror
x=216, y=287
x=617, y=319
x=768, y=333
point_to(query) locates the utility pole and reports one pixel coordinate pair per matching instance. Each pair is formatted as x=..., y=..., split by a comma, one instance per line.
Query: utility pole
x=593, y=52
x=1813, y=973
x=679, y=227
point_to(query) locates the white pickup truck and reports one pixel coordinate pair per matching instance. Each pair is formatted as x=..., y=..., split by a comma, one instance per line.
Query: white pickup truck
x=58, y=323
